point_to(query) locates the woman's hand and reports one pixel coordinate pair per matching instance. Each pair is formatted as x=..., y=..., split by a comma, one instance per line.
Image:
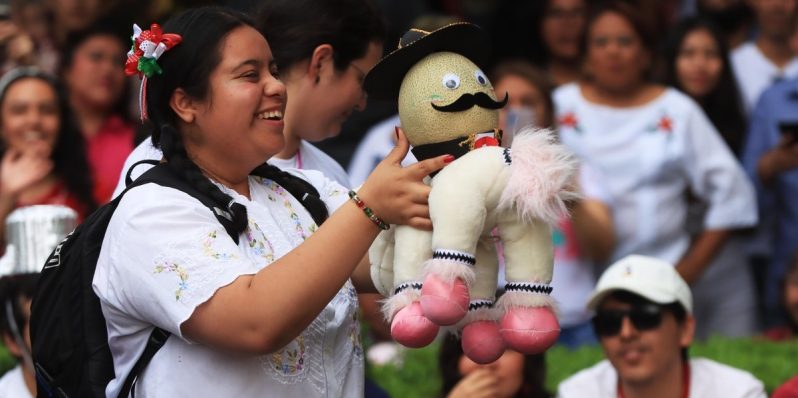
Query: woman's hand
x=22, y=168
x=398, y=195
x=481, y=383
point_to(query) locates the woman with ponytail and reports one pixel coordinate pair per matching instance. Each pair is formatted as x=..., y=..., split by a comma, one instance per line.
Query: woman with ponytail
x=274, y=314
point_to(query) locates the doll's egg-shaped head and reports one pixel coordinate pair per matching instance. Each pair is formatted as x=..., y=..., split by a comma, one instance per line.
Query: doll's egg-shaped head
x=445, y=96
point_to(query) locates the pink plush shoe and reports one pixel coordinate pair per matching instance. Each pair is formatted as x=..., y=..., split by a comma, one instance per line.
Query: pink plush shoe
x=529, y=330
x=482, y=342
x=411, y=329
x=444, y=303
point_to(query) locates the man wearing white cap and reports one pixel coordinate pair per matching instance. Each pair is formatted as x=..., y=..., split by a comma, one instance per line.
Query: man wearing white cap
x=645, y=324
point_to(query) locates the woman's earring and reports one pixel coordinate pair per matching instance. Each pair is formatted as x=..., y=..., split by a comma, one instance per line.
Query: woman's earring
x=317, y=79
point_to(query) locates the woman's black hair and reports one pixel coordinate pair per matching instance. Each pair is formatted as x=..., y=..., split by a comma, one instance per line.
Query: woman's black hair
x=115, y=27
x=294, y=28
x=534, y=373
x=723, y=105
x=15, y=289
x=188, y=66
x=69, y=152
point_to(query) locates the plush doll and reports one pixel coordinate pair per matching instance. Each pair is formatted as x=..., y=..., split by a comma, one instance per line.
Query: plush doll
x=448, y=277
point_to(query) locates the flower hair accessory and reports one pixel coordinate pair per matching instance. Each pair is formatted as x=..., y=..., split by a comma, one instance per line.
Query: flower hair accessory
x=142, y=59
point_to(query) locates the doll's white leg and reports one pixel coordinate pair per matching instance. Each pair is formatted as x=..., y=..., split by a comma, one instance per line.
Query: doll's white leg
x=409, y=327
x=481, y=340
x=457, y=210
x=528, y=324
x=381, y=258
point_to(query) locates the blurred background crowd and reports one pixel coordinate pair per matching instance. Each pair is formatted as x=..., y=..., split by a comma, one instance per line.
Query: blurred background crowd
x=700, y=97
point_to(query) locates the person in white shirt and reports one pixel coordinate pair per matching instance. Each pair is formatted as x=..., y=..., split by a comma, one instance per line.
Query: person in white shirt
x=654, y=146
x=323, y=51
x=16, y=292
x=645, y=325
x=274, y=313
x=759, y=63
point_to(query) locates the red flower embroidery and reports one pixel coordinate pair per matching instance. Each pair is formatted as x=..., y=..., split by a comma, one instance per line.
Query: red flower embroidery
x=569, y=120
x=665, y=124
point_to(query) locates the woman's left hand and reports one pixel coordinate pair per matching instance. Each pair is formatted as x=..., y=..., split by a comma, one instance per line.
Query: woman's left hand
x=398, y=195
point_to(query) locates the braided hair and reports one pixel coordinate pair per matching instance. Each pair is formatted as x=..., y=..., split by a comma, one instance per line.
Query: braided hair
x=188, y=66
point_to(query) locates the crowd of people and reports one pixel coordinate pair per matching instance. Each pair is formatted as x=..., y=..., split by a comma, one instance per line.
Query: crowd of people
x=683, y=116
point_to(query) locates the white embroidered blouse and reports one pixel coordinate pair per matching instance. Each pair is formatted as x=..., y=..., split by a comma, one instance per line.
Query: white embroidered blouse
x=164, y=254
x=651, y=156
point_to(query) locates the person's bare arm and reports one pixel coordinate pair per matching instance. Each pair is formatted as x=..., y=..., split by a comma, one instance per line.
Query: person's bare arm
x=593, y=227
x=261, y=313
x=700, y=254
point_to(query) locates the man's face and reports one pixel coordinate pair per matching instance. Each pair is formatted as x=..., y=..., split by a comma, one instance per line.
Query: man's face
x=643, y=341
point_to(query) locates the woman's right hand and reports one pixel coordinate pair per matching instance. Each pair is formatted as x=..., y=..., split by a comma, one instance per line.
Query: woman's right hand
x=22, y=168
x=398, y=195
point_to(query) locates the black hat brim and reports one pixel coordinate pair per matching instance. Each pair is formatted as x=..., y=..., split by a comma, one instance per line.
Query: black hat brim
x=468, y=40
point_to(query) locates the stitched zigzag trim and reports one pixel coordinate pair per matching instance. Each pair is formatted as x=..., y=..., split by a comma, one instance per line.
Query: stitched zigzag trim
x=452, y=255
x=507, y=158
x=528, y=287
x=477, y=304
x=407, y=285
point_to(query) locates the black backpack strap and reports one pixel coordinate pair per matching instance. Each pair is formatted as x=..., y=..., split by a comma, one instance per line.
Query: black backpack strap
x=162, y=175
x=154, y=343
x=129, y=174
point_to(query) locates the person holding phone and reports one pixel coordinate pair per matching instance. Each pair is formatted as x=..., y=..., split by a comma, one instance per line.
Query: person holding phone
x=770, y=158
x=644, y=320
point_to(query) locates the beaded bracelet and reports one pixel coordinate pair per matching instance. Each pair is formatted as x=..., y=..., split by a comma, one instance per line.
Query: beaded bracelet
x=369, y=213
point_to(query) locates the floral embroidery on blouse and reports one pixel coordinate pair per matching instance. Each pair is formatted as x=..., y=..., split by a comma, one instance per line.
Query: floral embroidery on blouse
x=354, y=327
x=167, y=267
x=257, y=246
x=290, y=361
x=569, y=120
x=291, y=213
x=207, y=248
x=663, y=125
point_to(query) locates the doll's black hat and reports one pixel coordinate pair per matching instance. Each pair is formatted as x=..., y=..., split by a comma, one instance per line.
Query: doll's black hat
x=466, y=39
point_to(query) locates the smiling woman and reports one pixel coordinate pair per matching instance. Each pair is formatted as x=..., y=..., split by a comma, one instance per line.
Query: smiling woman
x=166, y=261
x=43, y=154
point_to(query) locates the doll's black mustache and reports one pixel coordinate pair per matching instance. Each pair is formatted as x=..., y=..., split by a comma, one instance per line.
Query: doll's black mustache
x=468, y=100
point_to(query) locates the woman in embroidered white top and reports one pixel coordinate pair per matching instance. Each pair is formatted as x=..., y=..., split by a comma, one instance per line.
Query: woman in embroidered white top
x=275, y=314
x=655, y=145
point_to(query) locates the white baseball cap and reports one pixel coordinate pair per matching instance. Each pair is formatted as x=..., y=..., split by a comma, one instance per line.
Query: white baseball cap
x=651, y=278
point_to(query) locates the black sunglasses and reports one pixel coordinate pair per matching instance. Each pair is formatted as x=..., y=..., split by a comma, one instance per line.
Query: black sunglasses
x=643, y=317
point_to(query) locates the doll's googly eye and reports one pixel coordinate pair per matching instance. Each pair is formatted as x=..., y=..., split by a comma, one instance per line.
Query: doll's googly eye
x=481, y=78
x=451, y=81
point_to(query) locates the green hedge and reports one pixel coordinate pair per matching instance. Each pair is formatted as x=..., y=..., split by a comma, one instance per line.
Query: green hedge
x=418, y=376
x=773, y=363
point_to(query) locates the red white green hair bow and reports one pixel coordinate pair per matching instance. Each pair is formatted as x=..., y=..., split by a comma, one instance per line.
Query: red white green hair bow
x=142, y=59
